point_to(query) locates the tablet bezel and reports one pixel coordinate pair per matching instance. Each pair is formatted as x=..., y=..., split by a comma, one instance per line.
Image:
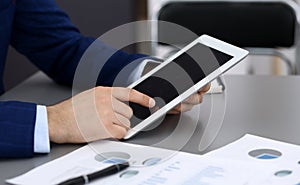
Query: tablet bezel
x=237, y=55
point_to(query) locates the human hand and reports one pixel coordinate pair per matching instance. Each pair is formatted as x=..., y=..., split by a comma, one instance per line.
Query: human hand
x=94, y=114
x=191, y=101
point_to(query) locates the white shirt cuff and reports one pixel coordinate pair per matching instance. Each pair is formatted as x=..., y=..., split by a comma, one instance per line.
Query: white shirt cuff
x=41, y=134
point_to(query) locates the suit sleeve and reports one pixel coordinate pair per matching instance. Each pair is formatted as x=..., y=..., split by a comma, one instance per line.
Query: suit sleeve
x=17, y=123
x=45, y=34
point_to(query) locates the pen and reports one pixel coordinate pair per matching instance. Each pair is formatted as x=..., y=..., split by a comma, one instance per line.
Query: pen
x=84, y=179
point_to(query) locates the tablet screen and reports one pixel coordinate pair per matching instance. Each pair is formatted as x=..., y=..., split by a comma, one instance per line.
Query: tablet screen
x=176, y=77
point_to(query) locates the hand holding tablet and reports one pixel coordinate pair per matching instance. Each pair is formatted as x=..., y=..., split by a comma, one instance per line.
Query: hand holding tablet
x=180, y=76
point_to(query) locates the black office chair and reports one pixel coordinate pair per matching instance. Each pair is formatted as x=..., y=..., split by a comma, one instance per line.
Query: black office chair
x=261, y=26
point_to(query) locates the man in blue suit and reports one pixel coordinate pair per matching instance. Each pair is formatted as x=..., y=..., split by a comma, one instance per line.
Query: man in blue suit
x=43, y=33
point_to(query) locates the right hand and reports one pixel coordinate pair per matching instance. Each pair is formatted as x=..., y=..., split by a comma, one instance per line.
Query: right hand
x=94, y=114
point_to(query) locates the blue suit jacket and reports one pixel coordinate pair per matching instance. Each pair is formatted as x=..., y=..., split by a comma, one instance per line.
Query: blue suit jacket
x=43, y=33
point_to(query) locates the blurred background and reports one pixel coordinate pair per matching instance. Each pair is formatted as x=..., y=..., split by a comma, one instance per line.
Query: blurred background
x=94, y=17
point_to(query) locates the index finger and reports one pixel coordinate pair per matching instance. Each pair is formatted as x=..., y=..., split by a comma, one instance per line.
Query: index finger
x=126, y=94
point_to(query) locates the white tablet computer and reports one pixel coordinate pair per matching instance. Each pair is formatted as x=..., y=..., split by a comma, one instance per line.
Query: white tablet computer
x=180, y=76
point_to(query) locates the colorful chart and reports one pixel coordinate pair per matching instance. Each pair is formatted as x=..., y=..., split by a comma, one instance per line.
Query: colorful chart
x=265, y=154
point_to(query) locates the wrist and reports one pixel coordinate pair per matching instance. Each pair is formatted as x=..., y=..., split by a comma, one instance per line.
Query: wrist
x=54, y=124
x=51, y=115
x=62, y=124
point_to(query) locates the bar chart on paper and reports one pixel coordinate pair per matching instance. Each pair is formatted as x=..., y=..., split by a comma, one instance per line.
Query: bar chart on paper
x=187, y=172
x=162, y=176
x=207, y=176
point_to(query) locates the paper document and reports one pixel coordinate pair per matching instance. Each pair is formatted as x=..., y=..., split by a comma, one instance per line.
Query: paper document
x=149, y=165
x=281, y=158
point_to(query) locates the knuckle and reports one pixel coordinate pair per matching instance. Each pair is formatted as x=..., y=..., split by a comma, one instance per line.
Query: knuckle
x=127, y=122
x=132, y=92
x=130, y=112
x=116, y=91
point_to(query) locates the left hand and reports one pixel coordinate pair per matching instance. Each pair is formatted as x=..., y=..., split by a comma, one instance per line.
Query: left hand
x=191, y=101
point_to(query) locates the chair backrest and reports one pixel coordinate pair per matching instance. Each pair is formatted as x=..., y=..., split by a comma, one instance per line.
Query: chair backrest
x=245, y=23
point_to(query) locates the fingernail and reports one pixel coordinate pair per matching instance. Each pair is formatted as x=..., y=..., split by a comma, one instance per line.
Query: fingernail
x=151, y=103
